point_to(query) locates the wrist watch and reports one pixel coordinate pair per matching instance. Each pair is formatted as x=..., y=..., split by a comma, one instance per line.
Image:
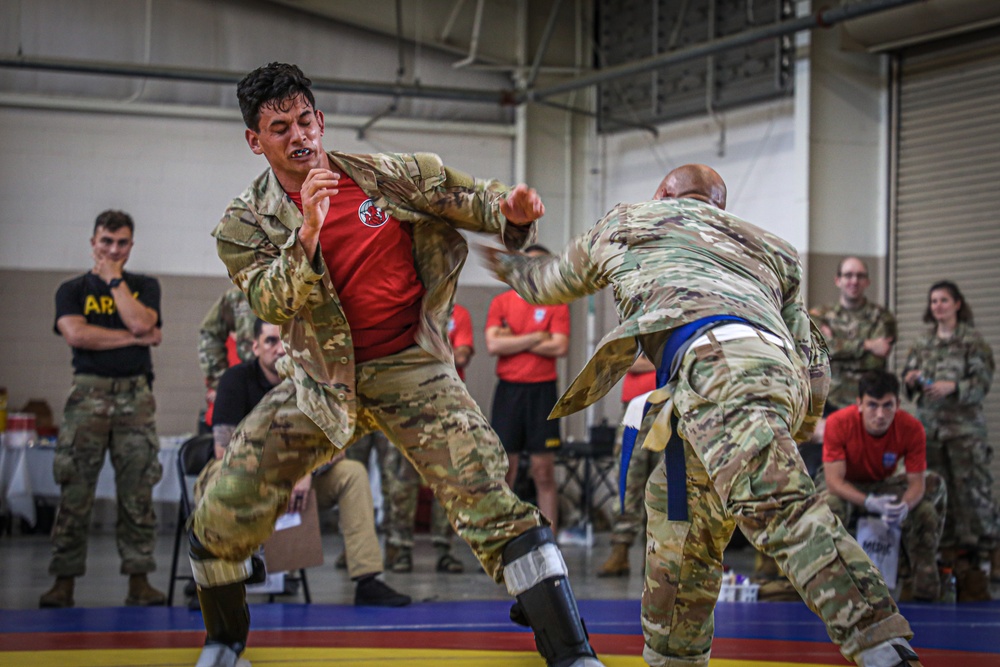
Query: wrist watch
x=115, y=282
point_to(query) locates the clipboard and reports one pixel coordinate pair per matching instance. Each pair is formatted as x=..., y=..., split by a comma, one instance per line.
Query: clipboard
x=298, y=546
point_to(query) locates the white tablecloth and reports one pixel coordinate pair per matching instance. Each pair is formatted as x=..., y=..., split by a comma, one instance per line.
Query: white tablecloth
x=26, y=472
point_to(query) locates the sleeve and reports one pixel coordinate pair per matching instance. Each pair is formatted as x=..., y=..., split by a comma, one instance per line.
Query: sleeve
x=462, y=335
x=495, y=313
x=277, y=281
x=149, y=296
x=230, y=398
x=68, y=301
x=212, y=335
x=834, y=440
x=912, y=363
x=973, y=387
x=560, y=320
x=574, y=273
x=467, y=202
x=886, y=326
x=916, y=447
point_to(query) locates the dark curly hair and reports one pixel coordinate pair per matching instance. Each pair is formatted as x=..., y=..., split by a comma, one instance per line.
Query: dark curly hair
x=112, y=221
x=274, y=85
x=877, y=384
x=964, y=311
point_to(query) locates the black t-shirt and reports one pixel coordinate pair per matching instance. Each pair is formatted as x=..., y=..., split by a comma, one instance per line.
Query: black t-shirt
x=89, y=296
x=240, y=388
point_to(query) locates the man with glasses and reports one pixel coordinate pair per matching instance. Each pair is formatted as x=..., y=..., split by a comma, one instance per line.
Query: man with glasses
x=860, y=333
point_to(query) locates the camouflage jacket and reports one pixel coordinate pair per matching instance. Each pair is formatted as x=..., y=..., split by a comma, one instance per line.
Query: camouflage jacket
x=848, y=358
x=230, y=314
x=671, y=262
x=965, y=359
x=258, y=242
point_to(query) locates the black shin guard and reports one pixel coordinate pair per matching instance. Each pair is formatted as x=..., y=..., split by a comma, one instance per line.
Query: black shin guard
x=536, y=576
x=227, y=618
x=224, y=606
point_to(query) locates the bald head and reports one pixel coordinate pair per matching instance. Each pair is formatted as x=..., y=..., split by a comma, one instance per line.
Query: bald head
x=695, y=181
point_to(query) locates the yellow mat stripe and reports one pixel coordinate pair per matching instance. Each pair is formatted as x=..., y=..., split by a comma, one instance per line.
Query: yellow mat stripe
x=317, y=657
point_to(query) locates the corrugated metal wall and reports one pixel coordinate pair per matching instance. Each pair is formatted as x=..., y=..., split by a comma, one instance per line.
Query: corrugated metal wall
x=947, y=189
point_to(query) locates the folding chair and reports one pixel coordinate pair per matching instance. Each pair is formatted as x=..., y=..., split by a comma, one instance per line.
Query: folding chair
x=192, y=457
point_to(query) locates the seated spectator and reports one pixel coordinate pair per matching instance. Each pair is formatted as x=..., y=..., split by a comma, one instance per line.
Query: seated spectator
x=341, y=481
x=862, y=450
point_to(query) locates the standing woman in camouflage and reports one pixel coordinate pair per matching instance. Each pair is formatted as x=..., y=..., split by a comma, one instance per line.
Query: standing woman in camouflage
x=948, y=372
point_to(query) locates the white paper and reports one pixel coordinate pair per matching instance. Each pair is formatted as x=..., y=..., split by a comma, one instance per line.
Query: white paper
x=289, y=520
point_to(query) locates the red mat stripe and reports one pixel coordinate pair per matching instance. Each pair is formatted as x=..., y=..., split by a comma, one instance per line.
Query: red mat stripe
x=763, y=650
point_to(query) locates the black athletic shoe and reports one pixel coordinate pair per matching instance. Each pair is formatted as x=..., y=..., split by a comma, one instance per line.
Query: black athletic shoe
x=373, y=592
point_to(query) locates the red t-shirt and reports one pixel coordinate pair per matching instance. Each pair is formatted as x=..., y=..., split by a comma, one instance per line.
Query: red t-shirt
x=369, y=255
x=636, y=384
x=522, y=317
x=460, y=331
x=870, y=458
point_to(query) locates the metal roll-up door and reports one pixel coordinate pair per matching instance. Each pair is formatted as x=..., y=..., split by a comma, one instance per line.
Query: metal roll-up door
x=946, y=187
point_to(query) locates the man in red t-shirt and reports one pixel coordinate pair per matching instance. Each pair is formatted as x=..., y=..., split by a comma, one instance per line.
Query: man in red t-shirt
x=527, y=340
x=864, y=447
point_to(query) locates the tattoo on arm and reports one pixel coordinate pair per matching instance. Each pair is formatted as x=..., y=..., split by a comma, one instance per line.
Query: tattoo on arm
x=222, y=434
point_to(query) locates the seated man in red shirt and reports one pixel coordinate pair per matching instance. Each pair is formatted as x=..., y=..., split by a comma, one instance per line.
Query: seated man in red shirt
x=862, y=448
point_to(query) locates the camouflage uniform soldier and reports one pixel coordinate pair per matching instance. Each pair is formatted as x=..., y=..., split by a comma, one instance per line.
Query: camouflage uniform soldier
x=860, y=334
x=230, y=314
x=862, y=449
x=401, y=486
x=308, y=242
x=639, y=381
x=715, y=303
x=949, y=371
x=110, y=318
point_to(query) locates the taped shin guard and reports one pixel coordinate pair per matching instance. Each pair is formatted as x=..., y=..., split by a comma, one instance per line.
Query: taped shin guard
x=535, y=574
x=222, y=594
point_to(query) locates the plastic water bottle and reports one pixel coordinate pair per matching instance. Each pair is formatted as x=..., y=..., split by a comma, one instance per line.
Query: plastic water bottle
x=949, y=586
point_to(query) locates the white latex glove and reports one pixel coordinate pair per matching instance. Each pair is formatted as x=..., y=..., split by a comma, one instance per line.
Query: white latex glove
x=879, y=504
x=896, y=513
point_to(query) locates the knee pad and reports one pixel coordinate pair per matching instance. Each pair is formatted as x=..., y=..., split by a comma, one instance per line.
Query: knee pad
x=210, y=571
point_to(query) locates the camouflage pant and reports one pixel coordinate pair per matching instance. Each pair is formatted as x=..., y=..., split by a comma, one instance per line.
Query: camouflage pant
x=424, y=409
x=106, y=415
x=738, y=404
x=401, y=486
x=346, y=485
x=964, y=463
x=630, y=520
x=924, y=524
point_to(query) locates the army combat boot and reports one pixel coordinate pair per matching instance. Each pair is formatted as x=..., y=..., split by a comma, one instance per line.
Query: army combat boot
x=617, y=563
x=141, y=594
x=60, y=595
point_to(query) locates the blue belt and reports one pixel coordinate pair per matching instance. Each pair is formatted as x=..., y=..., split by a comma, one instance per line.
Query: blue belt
x=673, y=454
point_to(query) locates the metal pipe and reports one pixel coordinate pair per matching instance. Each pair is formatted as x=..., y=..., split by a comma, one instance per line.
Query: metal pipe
x=478, y=95
x=477, y=23
x=543, y=45
x=119, y=107
x=821, y=19
x=594, y=114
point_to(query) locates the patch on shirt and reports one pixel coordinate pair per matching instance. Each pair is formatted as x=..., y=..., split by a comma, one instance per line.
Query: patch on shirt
x=371, y=215
x=889, y=460
x=539, y=314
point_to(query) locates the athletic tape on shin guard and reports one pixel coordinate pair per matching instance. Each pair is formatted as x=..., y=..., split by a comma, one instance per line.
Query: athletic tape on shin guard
x=533, y=568
x=216, y=572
